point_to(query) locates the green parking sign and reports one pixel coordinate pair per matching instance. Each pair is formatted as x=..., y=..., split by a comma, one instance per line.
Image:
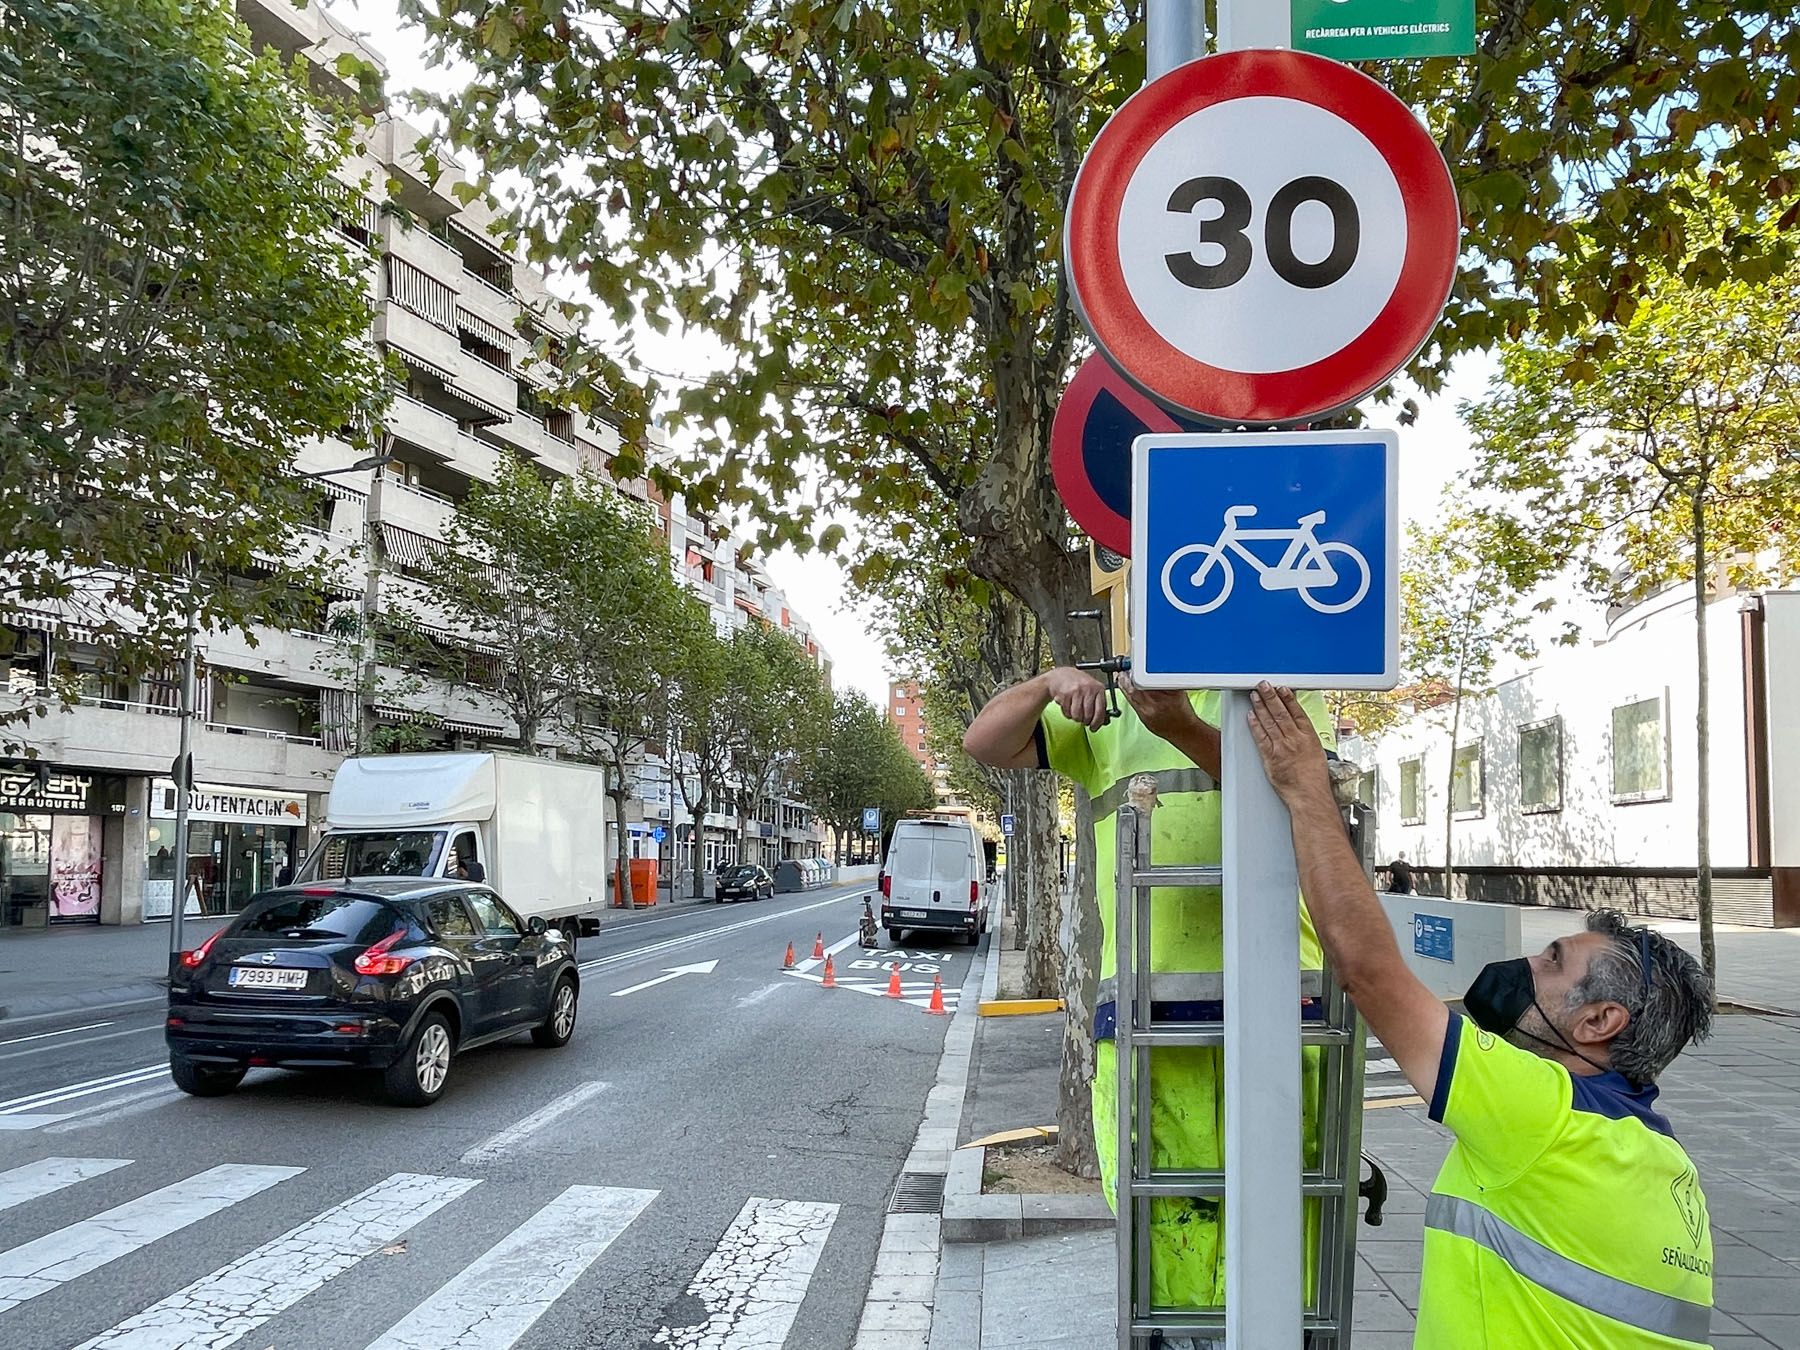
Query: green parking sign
x=1381, y=30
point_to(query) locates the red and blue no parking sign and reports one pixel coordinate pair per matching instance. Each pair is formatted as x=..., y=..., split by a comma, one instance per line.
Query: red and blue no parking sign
x=1261, y=237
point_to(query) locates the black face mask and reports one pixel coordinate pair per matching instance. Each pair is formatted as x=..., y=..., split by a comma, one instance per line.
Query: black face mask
x=1499, y=997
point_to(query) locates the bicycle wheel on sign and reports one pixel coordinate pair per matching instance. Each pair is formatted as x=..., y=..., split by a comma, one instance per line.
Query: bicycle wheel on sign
x=1197, y=579
x=1348, y=587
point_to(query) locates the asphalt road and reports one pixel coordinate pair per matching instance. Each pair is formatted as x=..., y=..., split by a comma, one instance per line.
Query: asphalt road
x=706, y=1164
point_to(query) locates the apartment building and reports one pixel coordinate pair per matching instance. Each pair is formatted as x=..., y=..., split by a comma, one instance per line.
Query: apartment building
x=87, y=831
x=906, y=714
x=1577, y=782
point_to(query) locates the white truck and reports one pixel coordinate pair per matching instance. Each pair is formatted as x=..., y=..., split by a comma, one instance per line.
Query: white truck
x=533, y=828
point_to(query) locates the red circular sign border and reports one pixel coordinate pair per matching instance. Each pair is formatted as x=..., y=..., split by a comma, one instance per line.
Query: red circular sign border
x=1433, y=238
x=1068, y=465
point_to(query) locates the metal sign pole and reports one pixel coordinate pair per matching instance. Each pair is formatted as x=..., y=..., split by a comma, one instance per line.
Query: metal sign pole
x=1265, y=1248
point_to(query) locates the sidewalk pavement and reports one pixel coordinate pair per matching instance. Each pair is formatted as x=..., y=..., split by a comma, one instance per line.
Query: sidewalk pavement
x=71, y=967
x=1735, y=1102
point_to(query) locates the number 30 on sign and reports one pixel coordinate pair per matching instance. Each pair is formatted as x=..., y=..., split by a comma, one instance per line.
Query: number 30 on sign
x=1261, y=237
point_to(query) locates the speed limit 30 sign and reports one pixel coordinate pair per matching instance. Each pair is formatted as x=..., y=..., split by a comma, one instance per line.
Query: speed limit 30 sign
x=1261, y=237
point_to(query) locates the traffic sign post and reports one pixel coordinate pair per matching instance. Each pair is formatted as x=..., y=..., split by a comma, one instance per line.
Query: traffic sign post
x=1006, y=825
x=1261, y=237
x=1266, y=555
x=871, y=820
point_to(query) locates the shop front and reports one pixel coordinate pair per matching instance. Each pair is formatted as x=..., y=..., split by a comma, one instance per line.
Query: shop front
x=52, y=828
x=240, y=841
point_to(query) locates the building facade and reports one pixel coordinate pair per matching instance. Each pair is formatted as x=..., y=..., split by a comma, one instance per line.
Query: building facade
x=87, y=828
x=1576, y=783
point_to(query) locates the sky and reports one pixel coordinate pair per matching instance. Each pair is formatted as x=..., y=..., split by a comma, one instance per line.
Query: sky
x=1433, y=452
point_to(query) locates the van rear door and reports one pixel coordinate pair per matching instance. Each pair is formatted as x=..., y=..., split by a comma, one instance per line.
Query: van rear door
x=930, y=866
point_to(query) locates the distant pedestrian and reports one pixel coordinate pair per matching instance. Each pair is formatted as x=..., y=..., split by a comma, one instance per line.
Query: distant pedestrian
x=1400, y=876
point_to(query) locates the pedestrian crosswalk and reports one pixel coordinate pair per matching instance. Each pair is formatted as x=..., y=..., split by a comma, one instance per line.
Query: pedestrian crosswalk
x=745, y=1295
x=1382, y=1079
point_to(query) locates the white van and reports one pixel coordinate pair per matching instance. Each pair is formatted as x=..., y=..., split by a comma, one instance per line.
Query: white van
x=933, y=879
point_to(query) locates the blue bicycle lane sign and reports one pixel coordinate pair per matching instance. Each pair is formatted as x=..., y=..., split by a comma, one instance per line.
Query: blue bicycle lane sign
x=1265, y=555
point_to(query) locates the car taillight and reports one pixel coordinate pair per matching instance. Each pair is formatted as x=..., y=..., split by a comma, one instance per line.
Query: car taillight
x=377, y=961
x=974, y=894
x=195, y=957
x=887, y=887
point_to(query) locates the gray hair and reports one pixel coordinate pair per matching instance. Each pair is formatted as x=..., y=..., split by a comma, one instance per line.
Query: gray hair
x=1671, y=1007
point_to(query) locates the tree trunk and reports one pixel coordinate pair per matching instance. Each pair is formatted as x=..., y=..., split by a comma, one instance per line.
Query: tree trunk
x=1042, y=877
x=1080, y=974
x=622, y=842
x=1703, y=879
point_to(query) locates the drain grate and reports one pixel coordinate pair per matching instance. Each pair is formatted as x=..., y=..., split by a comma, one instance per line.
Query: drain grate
x=917, y=1193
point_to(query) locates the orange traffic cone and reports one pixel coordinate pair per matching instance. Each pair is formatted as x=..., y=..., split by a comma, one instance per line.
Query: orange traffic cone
x=787, y=962
x=819, y=948
x=830, y=981
x=893, y=989
x=937, y=994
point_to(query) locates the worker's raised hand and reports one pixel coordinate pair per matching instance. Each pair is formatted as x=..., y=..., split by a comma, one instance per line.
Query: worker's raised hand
x=1080, y=696
x=1167, y=712
x=1291, y=753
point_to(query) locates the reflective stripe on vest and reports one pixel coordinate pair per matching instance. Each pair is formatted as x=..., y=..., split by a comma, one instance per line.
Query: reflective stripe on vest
x=1167, y=780
x=1606, y=1295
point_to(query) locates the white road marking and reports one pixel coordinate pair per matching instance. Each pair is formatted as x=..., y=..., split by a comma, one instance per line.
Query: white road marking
x=915, y=994
x=673, y=973
x=497, y=1146
x=754, y=1281
x=56, y=1258
x=1381, y=1066
x=495, y=1299
x=1388, y=1090
x=692, y=939
x=105, y=1113
x=37, y=1101
x=813, y=962
x=89, y=1040
x=49, y=1175
x=217, y=1310
x=46, y=1035
x=756, y=996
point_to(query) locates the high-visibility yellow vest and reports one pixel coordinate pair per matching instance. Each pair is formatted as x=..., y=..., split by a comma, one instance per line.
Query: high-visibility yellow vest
x=1566, y=1217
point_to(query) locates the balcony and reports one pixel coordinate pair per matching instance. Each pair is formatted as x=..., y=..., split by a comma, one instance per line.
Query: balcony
x=121, y=737
x=286, y=654
x=413, y=508
x=419, y=342
x=487, y=301
x=279, y=24
x=395, y=143
x=475, y=457
x=425, y=251
x=423, y=426
x=489, y=385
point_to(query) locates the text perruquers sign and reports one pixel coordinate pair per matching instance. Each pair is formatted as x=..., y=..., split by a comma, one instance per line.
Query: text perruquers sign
x=1261, y=237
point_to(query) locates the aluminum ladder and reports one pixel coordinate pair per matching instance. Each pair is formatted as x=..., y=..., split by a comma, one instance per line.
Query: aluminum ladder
x=1328, y=1021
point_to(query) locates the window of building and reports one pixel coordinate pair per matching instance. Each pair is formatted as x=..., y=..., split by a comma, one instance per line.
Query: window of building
x=1465, y=780
x=1640, y=751
x=1367, y=785
x=1540, y=766
x=1412, y=791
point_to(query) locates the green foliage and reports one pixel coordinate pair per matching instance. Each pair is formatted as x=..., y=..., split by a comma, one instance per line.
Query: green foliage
x=775, y=712
x=862, y=763
x=175, y=318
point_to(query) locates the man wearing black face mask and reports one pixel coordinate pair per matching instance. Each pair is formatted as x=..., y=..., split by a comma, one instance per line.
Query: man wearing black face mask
x=1566, y=1216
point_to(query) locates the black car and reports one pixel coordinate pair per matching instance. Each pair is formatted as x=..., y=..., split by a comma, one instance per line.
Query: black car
x=389, y=973
x=743, y=881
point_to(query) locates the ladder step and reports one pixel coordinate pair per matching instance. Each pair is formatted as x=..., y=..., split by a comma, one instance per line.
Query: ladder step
x=1213, y=1033
x=1179, y=876
x=1209, y=1184
x=1185, y=1322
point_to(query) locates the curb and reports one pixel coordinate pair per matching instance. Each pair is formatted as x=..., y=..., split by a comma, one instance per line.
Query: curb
x=970, y=1216
x=1018, y=1007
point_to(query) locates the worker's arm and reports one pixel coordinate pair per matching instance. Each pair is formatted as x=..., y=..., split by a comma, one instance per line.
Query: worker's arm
x=1004, y=733
x=1404, y=1015
x=1170, y=714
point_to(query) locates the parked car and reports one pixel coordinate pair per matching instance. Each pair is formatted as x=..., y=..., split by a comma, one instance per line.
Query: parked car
x=743, y=881
x=398, y=974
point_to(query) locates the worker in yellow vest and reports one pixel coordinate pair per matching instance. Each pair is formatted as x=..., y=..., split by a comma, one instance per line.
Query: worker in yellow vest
x=1566, y=1216
x=1058, y=720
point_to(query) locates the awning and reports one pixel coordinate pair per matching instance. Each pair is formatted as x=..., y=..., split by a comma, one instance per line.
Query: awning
x=420, y=364
x=411, y=716
x=332, y=488
x=471, y=728
x=490, y=333
x=450, y=637
x=482, y=237
x=492, y=410
x=30, y=620
x=406, y=548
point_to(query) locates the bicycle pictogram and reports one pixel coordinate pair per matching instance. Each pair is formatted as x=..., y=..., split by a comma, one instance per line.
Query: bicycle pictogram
x=1306, y=567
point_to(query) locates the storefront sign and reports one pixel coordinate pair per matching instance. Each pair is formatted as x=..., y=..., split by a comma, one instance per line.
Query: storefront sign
x=1381, y=30
x=82, y=793
x=245, y=806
